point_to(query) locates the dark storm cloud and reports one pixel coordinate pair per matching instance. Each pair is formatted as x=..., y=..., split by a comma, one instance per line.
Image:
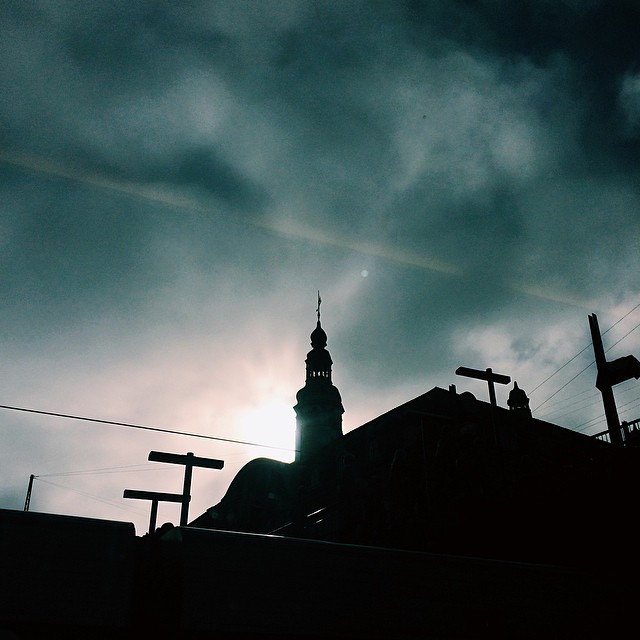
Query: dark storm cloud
x=598, y=38
x=427, y=124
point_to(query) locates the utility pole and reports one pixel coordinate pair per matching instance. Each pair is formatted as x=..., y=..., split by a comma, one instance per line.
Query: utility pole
x=154, y=497
x=29, y=488
x=491, y=379
x=609, y=374
x=189, y=461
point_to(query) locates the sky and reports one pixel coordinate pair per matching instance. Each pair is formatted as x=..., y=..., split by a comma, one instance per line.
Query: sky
x=460, y=180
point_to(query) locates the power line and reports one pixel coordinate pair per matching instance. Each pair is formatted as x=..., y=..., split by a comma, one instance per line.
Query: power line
x=601, y=419
x=561, y=413
x=629, y=405
x=111, y=503
x=582, y=351
x=560, y=369
x=105, y=470
x=623, y=337
x=579, y=402
x=143, y=427
x=574, y=400
x=565, y=385
x=590, y=423
x=621, y=319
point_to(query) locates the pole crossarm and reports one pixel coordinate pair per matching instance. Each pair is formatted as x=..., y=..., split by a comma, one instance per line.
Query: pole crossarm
x=487, y=375
x=155, y=497
x=152, y=495
x=188, y=461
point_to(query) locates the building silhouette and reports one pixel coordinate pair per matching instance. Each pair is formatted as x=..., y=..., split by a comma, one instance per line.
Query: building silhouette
x=444, y=472
x=446, y=517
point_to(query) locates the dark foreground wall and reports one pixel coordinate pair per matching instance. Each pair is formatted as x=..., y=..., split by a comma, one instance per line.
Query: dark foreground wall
x=71, y=575
x=80, y=578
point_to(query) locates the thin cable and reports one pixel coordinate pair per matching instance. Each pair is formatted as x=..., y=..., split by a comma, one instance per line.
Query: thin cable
x=556, y=415
x=566, y=384
x=560, y=369
x=138, y=426
x=594, y=397
x=129, y=468
x=583, y=350
x=598, y=419
x=621, y=319
x=594, y=422
x=630, y=405
x=574, y=398
x=623, y=337
x=111, y=503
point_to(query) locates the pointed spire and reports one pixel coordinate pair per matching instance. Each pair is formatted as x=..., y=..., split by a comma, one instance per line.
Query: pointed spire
x=318, y=336
x=319, y=406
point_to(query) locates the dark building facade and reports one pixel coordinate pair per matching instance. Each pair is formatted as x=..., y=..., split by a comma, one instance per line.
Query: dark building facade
x=444, y=472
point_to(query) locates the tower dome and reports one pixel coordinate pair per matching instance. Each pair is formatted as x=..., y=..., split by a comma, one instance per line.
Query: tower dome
x=518, y=400
x=318, y=359
x=318, y=336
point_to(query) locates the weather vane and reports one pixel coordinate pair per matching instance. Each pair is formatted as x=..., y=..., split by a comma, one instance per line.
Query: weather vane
x=319, y=302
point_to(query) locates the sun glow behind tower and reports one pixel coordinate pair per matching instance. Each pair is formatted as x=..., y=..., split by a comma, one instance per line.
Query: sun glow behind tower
x=272, y=423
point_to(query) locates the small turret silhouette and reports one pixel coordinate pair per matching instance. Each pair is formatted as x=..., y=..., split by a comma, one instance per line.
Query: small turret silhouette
x=518, y=400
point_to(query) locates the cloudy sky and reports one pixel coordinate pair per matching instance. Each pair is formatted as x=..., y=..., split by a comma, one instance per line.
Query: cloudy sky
x=460, y=180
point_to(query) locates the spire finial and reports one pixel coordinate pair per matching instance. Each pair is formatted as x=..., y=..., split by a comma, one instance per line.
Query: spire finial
x=319, y=302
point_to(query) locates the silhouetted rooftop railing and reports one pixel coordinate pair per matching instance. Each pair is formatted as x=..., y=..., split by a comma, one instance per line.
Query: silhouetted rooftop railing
x=627, y=430
x=603, y=435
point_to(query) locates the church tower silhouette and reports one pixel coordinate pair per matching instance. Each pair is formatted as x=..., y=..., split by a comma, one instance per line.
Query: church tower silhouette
x=319, y=405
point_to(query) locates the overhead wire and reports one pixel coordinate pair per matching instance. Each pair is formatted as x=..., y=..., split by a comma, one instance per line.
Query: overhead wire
x=558, y=370
x=556, y=415
x=578, y=354
x=143, y=427
x=625, y=408
x=623, y=337
x=565, y=385
x=562, y=402
x=111, y=503
x=629, y=405
x=105, y=470
x=575, y=403
x=589, y=346
x=121, y=469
